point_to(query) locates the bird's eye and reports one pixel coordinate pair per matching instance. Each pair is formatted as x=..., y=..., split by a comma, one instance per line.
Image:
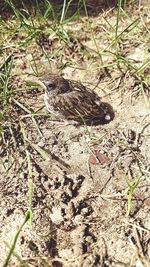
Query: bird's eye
x=50, y=86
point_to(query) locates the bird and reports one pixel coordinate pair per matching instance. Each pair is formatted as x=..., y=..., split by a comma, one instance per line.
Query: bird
x=74, y=103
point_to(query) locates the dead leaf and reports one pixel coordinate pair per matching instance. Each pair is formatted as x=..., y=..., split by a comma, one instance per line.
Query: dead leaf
x=97, y=157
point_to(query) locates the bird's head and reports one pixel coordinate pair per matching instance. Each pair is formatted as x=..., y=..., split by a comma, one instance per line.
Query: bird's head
x=54, y=85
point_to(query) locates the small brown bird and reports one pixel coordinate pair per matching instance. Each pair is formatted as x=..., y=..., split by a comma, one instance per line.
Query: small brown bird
x=73, y=102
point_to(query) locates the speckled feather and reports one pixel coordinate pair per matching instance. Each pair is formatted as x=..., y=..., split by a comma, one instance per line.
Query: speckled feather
x=73, y=101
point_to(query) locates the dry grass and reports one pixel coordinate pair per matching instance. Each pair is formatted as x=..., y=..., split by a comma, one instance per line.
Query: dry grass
x=112, y=47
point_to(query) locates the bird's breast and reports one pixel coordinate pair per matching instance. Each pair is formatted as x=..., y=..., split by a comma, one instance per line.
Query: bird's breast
x=49, y=103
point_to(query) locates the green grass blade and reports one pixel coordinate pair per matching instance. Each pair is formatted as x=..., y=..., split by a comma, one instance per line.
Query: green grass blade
x=15, y=240
x=43, y=153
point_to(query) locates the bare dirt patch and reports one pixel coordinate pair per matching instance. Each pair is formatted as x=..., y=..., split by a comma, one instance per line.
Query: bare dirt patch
x=79, y=200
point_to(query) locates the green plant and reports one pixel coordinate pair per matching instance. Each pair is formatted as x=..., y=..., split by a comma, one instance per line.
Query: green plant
x=11, y=251
x=130, y=191
x=5, y=77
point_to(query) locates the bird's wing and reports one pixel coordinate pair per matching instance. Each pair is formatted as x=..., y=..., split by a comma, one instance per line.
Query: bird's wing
x=78, y=105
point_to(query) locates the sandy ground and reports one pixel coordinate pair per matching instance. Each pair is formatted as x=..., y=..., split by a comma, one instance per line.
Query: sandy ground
x=79, y=199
